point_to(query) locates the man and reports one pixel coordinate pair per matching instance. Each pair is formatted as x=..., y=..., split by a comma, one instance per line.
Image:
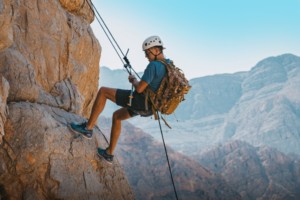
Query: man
x=152, y=77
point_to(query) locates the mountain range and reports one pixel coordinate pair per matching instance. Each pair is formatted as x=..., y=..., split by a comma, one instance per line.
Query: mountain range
x=144, y=162
x=244, y=127
x=261, y=107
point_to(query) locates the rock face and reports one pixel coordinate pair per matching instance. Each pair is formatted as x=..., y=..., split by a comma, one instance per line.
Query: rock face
x=49, y=72
x=53, y=56
x=6, y=34
x=41, y=159
x=4, y=87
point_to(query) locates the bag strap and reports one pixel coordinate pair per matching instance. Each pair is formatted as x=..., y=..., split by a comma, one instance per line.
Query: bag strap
x=148, y=91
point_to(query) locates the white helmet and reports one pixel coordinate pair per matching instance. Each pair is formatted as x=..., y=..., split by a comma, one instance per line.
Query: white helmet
x=152, y=42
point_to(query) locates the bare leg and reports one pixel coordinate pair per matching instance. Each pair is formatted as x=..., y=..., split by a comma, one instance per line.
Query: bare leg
x=104, y=93
x=118, y=116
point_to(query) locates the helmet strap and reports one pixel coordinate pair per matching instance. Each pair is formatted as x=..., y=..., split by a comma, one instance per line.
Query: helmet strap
x=155, y=56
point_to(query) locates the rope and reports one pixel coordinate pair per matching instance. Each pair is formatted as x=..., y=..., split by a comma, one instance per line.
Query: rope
x=127, y=64
x=111, y=39
x=162, y=136
x=91, y=5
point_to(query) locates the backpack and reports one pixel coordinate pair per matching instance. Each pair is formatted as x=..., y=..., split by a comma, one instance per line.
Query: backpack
x=171, y=91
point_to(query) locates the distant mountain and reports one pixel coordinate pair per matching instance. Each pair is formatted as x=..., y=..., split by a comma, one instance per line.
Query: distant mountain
x=256, y=173
x=233, y=170
x=145, y=165
x=268, y=112
x=114, y=78
x=211, y=95
x=261, y=106
x=117, y=78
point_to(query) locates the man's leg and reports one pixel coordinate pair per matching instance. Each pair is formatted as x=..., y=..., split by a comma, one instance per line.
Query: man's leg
x=118, y=116
x=104, y=93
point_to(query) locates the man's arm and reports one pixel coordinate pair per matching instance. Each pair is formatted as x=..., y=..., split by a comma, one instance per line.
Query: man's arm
x=139, y=86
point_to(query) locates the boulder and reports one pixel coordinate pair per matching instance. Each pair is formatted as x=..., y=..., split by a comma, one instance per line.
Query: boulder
x=79, y=7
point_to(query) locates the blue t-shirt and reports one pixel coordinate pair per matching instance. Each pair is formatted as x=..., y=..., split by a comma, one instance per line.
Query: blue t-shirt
x=154, y=73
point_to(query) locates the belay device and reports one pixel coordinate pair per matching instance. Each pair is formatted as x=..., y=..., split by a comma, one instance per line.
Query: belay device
x=129, y=69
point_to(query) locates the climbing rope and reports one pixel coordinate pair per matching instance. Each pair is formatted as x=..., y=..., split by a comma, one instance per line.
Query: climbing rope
x=170, y=170
x=112, y=40
x=128, y=67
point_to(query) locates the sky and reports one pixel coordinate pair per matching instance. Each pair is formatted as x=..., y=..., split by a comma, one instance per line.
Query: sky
x=202, y=37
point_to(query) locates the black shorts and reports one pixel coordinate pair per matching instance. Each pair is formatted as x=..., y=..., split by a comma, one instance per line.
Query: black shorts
x=137, y=104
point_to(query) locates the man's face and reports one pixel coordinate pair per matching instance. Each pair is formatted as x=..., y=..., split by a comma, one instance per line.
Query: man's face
x=150, y=53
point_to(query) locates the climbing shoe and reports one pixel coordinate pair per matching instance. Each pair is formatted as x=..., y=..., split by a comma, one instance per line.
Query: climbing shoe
x=104, y=155
x=81, y=129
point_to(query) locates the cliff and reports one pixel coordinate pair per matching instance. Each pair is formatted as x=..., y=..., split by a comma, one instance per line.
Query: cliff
x=49, y=75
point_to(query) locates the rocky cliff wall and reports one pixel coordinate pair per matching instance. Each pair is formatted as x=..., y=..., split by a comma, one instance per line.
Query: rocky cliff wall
x=49, y=71
x=4, y=87
x=48, y=54
x=40, y=158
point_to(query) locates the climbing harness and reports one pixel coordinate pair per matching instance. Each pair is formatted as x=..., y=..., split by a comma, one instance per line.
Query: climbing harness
x=129, y=69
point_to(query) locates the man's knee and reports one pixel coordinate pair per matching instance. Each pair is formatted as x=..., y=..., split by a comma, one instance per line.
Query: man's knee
x=116, y=116
x=107, y=92
x=121, y=114
x=103, y=90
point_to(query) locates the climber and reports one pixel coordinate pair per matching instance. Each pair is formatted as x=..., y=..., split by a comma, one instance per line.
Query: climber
x=152, y=77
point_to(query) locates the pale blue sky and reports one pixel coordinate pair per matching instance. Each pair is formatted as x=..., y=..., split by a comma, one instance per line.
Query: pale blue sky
x=203, y=37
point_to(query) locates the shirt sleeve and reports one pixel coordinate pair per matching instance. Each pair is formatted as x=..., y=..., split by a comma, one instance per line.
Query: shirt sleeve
x=149, y=73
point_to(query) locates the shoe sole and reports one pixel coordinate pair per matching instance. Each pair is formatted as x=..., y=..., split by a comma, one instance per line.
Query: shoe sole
x=74, y=131
x=102, y=158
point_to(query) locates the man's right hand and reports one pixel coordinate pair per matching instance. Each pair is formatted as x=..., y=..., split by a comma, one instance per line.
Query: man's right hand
x=131, y=78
